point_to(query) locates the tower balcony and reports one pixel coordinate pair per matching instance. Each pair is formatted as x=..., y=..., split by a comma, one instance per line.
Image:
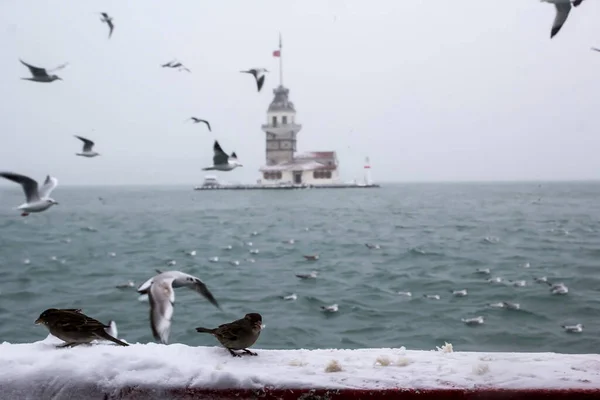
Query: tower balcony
x=279, y=128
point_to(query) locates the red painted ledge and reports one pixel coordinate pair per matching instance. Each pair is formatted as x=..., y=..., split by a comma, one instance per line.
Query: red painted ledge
x=148, y=393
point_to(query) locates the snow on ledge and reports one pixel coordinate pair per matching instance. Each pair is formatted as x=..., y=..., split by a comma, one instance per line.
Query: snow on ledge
x=24, y=367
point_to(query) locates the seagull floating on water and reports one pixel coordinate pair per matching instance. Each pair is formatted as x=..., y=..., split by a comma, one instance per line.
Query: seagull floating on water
x=511, y=306
x=87, y=148
x=37, y=199
x=312, y=275
x=432, y=296
x=292, y=296
x=573, y=328
x=473, y=321
x=558, y=288
x=331, y=308
x=563, y=8
x=407, y=294
x=459, y=293
x=162, y=298
x=198, y=120
x=214, y=259
x=40, y=74
x=541, y=279
x=313, y=257
x=106, y=18
x=372, y=246
x=221, y=161
x=129, y=284
x=259, y=75
x=485, y=271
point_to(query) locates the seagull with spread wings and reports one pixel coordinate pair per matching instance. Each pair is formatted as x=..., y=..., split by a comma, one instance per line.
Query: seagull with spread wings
x=36, y=199
x=106, y=18
x=40, y=74
x=221, y=161
x=198, y=120
x=563, y=8
x=87, y=148
x=162, y=299
x=259, y=76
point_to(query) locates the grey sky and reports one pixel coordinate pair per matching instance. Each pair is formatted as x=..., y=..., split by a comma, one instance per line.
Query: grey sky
x=430, y=90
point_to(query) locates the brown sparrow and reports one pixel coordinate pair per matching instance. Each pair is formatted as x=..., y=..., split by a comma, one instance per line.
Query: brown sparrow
x=74, y=327
x=238, y=335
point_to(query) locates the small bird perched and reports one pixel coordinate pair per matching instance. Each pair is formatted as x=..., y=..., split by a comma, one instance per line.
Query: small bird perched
x=87, y=148
x=162, y=297
x=259, y=75
x=108, y=20
x=221, y=161
x=198, y=120
x=563, y=8
x=40, y=74
x=37, y=200
x=238, y=335
x=75, y=328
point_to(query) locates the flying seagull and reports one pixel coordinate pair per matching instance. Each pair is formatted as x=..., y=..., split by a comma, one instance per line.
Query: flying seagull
x=563, y=8
x=162, y=298
x=259, y=75
x=221, y=161
x=87, y=148
x=197, y=120
x=595, y=49
x=108, y=20
x=176, y=64
x=40, y=74
x=37, y=200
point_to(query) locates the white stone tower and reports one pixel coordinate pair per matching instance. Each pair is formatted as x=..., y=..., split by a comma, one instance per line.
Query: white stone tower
x=281, y=128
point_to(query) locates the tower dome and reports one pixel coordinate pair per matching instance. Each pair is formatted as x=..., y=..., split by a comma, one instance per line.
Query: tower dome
x=280, y=101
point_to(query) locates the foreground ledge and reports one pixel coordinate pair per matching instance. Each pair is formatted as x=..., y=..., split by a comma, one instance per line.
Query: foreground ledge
x=153, y=371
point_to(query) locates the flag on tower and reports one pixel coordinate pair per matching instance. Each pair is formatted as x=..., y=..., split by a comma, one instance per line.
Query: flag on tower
x=277, y=53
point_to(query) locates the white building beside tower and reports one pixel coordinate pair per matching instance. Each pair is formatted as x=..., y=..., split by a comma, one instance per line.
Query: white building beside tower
x=283, y=165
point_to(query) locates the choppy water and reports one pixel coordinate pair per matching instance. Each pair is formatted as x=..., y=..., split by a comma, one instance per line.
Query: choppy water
x=432, y=237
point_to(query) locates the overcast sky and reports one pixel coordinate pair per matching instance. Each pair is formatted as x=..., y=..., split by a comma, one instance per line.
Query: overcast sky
x=430, y=90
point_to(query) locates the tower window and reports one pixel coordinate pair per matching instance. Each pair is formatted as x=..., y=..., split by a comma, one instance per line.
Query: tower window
x=284, y=120
x=274, y=121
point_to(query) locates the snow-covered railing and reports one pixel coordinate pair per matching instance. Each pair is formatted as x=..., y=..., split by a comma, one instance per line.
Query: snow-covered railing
x=148, y=371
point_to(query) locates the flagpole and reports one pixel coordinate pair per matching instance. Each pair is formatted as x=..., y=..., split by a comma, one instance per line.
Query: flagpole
x=280, y=62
